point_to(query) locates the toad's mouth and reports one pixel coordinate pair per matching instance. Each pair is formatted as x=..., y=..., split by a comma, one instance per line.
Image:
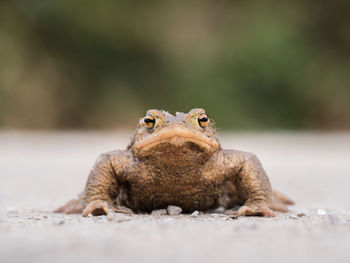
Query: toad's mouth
x=177, y=137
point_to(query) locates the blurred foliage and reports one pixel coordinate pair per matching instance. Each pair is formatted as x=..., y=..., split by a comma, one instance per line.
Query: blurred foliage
x=250, y=64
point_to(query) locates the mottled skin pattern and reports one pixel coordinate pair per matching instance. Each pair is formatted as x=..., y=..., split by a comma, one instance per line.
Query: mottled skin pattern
x=177, y=160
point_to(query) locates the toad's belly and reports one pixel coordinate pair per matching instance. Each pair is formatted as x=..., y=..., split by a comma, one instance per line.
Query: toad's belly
x=157, y=193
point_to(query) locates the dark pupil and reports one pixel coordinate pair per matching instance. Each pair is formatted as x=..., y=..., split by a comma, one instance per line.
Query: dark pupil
x=203, y=119
x=148, y=120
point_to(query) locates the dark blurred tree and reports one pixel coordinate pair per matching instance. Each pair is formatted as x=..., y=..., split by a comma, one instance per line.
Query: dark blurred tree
x=251, y=64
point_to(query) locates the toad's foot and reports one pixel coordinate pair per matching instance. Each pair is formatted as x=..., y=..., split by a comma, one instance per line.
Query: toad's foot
x=97, y=208
x=255, y=209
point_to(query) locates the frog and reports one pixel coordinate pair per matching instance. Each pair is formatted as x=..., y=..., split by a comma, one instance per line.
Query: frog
x=177, y=160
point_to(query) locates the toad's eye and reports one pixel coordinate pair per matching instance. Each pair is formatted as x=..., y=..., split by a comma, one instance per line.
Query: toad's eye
x=150, y=121
x=203, y=120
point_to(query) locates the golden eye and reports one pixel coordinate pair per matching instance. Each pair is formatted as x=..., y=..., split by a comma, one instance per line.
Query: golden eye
x=203, y=120
x=150, y=121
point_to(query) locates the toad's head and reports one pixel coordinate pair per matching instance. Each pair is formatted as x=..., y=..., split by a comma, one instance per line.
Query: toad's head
x=181, y=139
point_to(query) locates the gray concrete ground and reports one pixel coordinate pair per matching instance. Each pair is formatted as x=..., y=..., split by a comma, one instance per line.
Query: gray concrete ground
x=40, y=171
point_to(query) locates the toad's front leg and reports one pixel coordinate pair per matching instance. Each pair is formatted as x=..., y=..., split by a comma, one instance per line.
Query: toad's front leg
x=102, y=186
x=247, y=174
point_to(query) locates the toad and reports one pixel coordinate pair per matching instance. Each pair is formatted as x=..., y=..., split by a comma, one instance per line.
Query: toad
x=177, y=160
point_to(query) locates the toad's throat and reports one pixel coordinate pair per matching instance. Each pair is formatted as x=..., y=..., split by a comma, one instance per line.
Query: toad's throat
x=176, y=137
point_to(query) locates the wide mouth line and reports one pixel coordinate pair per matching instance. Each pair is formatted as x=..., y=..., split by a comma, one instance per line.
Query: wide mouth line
x=169, y=136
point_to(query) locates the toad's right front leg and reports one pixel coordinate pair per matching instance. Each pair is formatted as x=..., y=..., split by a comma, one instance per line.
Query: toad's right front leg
x=102, y=185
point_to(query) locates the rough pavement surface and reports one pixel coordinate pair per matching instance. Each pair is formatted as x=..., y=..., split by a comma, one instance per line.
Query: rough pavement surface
x=40, y=171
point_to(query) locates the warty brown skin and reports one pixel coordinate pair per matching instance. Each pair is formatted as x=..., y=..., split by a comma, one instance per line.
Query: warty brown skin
x=177, y=160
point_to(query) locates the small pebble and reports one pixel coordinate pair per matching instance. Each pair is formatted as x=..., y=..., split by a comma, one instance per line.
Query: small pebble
x=174, y=210
x=195, y=213
x=220, y=210
x=293, y=217
x=321, y=212
x=159, y=212
x=233, y=217
x=302, y=213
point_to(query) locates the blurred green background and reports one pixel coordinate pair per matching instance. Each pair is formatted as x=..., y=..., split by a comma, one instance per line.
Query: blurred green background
x=102, y=64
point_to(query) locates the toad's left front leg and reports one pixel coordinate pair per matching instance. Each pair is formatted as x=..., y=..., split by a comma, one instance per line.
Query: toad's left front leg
x=247, y=174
